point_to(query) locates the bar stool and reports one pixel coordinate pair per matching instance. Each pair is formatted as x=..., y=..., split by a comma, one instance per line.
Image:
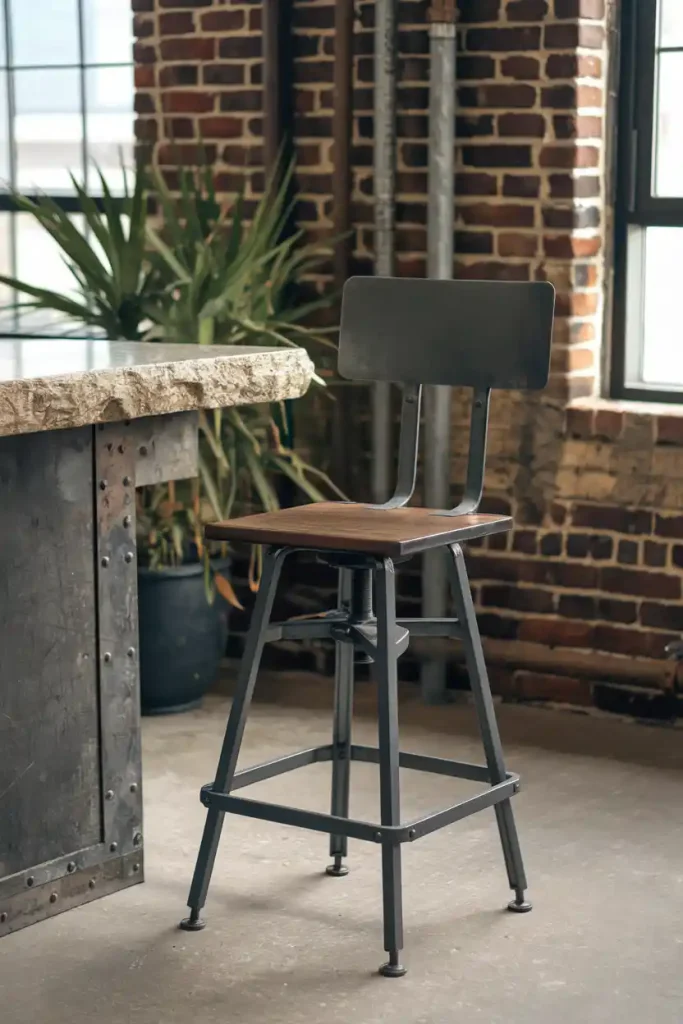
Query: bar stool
x=478, y=334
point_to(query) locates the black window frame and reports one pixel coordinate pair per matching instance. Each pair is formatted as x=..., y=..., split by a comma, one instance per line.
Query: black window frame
x=635, y=204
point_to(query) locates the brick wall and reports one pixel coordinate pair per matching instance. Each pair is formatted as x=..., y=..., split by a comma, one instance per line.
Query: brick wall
x=594, y=565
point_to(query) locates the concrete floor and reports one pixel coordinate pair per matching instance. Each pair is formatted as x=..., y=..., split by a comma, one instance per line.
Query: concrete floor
x=600, y=820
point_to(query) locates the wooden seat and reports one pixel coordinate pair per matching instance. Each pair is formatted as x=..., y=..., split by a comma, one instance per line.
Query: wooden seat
x=336, y=526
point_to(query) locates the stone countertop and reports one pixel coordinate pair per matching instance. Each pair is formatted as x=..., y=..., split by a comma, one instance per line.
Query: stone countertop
x=55, y=384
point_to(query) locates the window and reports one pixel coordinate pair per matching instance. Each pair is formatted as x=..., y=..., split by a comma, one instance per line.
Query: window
x=66, y=103
x=648, y=343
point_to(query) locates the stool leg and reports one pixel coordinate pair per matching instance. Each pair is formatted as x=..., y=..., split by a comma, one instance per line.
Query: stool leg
x=390, y=804
x=272, y=566
x=488, y=726
x=341, y=739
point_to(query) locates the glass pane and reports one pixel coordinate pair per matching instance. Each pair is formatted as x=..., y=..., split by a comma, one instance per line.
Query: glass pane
x=108, y=31
x=662, y=346
x=48, y=129
x=670, y=23
x=44, y=32
x=4, y=132
x=669, y=126
x=109, y=124
x=40, y=262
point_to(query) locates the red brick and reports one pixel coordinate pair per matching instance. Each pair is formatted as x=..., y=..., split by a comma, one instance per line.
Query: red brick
x=185, y=3
x=515, y=244
x=580, y=9
x=569, y=37
x=221, y=127
x=573, y=65
x=223, y=74
x=497, y=156
x=517, y=598
x=521, y=186
x=631, y=642
x=570, y=156
x=670, y=430
x=507, y=96
x=176, y=24
x=524, y=541
x=669, y=526
x=521, y=125
x=520, y=68
x=578, y=606
x=641, y=583
x=144, y=77
x=497, y=214
x=180, y=128
x=627, y=552
x=146, y=130
x=222, y=21
x=654, y=554
x=662, y=616
x=608, y=424
x=476, y=185
x=468, y=67
x=178, y=74
x=143, y=28
x=187, y=102
x=193, y=48
x=558, y=689
x=612, y=517
x=527, y=10
x=492, y=271
x=570, y=246
x=505, y=40
x=144, y=54
x=478, y=10
x=480, y=242
x=240, y=47
x=557, y=632
x=614, y=610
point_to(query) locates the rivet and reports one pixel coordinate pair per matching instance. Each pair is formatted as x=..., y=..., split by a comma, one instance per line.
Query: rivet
x=91, y=883
x=412, y=834
x=53, y=897
x=105, y=562
x=128, y=557
x=516, y=787
x=131, y=652
x=127, y=481
x=143, y=449
x=109, y=795
x=478, y=405
x=103, y=485
x=133, y=787
x=137, y=838
x=107, y=656
x=71, y=867
x=136, y=868
x=30, y=880
x=3, y=917
x=127, y=520
x=113, y=847
x=378, y=837
x=127, y=498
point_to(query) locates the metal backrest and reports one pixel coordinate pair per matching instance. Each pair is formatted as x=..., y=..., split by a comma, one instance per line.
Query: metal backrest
x=480, y=334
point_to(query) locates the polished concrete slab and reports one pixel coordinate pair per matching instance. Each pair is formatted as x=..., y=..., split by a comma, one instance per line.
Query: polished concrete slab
x=601, y=820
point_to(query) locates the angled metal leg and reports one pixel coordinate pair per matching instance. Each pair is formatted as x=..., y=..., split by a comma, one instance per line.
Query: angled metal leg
x=390, y=804
x=481, y=692
x=341, y=739
x=272, y=566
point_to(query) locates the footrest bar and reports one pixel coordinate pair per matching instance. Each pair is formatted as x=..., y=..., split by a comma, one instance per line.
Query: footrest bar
x=312, y=820
x=432, y=822
x=270, y=769
x=424, y=763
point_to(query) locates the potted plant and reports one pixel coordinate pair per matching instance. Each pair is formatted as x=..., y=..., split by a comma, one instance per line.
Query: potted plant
x=207, y=274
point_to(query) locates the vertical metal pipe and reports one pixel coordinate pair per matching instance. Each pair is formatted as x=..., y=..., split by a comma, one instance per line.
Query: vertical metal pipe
x=342, y=123
x=440, y=227
x=384, y=175
x=277, y=81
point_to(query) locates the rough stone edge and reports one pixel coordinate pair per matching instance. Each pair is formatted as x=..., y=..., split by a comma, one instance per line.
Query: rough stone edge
x=125, y=393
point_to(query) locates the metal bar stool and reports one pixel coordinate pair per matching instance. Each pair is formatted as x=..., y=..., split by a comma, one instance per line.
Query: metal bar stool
x=480, y=334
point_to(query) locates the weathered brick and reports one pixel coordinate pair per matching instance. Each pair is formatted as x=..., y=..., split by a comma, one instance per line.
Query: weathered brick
x=222, y=21
x=505, y=96
x=187, y=102
x=527, y=10
x=580, y=9
x=669, y=526
x=496, y=156
x=557, y=632
x=476, y=185
x=520, y=599
x=641, y=583
x=190, y=48
x=654, y=554
x=612, y=517
x=662, y=616
x=222, y=74
x=515, y=244
x=613, y=610
x=670, y=430
x=627, y=552
x=497, y=214
x=177, y=23
x=521, y=186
